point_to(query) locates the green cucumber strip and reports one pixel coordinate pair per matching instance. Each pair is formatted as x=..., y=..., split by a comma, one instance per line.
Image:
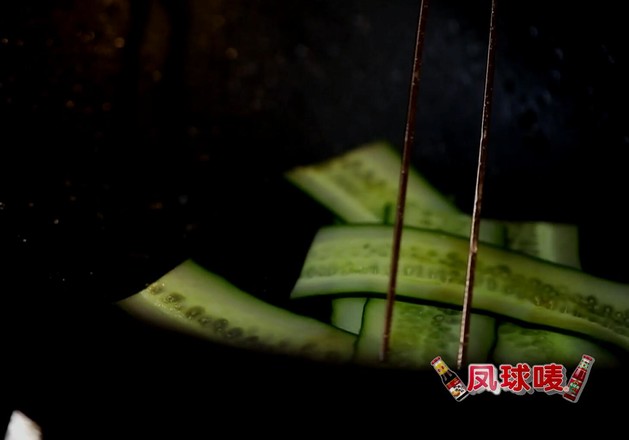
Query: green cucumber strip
x=194, y=301
x=550, y=241
x=359, y=185
x=347, y=314
x=558, y=243
x=516, y=343
x=555, y=242
x=346, y=259
x=491, y=231
x=419, y=333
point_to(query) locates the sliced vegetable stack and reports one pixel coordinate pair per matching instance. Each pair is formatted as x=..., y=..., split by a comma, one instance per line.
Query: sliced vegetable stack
x=532, y=302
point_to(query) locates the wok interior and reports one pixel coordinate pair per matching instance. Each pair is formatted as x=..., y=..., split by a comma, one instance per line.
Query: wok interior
x=140, y=133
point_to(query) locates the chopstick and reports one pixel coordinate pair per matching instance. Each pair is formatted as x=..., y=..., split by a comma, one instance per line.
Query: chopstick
x=409, y=137
x=478, y=190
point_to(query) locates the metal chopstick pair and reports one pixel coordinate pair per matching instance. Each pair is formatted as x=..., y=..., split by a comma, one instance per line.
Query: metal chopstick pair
x=478, y=196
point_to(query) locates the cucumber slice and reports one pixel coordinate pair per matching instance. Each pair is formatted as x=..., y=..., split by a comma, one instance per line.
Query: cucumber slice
x=558, y=243
x=491, y=231
x=347, y=314
x=555, y=242
x=517, y=343
x=361, y=184
x=346, y=259
x=192, y=300
x=419, y=333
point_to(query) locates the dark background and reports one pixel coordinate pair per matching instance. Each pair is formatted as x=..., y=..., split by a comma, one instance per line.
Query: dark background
x=136, y=134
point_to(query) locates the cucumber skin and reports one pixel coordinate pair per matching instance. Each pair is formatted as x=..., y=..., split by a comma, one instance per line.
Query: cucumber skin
x=191, y=300
x=348, y=259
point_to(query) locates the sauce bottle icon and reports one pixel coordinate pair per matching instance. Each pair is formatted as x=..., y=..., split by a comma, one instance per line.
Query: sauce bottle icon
x=450, y=379
x=579, y=377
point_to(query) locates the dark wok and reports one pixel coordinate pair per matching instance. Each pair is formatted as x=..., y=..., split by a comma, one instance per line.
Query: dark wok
x=136, y=135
